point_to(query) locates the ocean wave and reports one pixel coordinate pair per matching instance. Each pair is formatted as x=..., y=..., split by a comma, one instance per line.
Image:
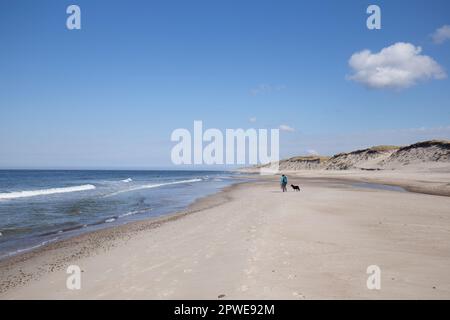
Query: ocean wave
x=43, y=192
x=127, y=180
x=131, y=213
x=9, y=254
x=81, y=226
x=151, y=186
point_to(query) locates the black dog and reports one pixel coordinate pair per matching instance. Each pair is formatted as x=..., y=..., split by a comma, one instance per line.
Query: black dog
x=296, y=188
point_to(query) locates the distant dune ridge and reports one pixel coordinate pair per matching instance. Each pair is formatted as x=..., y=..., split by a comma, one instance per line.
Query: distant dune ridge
x=418, y=155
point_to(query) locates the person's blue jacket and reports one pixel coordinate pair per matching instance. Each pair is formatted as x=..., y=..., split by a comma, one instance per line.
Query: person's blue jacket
x=283, y=179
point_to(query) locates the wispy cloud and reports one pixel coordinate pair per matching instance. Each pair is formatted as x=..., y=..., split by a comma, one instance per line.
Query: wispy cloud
x=330, y=144
x=395, y=67
x=285, y=127
x=252, y=119
x=312, y=152
x=266, y=88
x=441, y=34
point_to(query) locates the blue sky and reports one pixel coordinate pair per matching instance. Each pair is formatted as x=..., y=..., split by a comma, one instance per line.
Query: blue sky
x=109, y=95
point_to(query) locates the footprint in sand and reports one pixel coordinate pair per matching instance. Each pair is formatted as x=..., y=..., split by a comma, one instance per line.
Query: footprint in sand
x=298, y=295
x=244, y=288
x=249, y=271
x=166, y=293
x=187, y=270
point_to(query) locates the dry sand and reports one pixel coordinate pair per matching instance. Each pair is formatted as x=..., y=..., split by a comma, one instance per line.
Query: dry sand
x=252, y=241
x=432, y=180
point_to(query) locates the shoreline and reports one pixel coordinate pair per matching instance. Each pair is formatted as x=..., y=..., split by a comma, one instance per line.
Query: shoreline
x=238, y=225
x=431, y=183
x=75, y=245
x=423, y=182
x=46, y=238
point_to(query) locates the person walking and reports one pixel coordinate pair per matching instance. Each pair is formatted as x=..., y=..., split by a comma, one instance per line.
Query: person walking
x=283, y=183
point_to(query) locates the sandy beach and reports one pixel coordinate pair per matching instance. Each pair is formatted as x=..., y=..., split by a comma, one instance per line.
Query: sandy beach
x=251, y=241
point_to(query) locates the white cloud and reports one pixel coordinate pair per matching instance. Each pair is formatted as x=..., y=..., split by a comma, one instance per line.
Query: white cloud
x=399, y=66
x=312, y=152
x=441, y=35
x=285, y=127
x=266, y=88
x=252, y=119
x=333, y=143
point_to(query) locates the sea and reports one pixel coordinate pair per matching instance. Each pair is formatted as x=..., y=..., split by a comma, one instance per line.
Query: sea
x=38, y=207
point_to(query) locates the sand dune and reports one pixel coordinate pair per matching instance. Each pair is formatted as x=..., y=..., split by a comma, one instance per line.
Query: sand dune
x=421, y=155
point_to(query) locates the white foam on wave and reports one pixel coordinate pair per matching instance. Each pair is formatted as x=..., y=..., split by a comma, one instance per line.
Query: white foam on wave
x=9, y=254
x=127, y=180
x=131, y=213
x=151, y=186
x=44, y=192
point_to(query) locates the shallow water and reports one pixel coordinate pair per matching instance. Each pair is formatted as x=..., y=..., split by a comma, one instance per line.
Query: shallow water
x=38, y=206
x=377, y=186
